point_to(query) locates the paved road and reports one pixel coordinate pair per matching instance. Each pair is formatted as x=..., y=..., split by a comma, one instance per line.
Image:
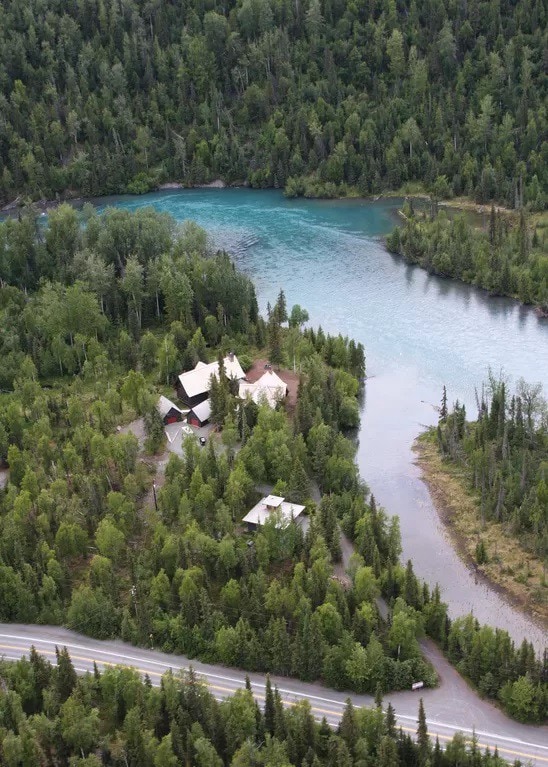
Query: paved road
x=450, y=708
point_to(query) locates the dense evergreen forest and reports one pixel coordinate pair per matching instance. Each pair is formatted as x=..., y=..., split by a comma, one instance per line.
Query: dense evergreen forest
x=509, y=259
x=105, y=97
x=505, y=453
x=96, y=320
x=51, y=718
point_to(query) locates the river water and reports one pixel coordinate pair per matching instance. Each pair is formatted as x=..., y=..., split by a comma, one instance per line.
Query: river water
x=420, y=332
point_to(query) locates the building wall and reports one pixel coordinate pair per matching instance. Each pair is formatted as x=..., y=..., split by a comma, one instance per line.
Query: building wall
x=190, y=401
x=193, y=420
x=172, y=417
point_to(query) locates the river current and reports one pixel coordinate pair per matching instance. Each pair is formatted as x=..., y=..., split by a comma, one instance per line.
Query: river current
x=420, y=332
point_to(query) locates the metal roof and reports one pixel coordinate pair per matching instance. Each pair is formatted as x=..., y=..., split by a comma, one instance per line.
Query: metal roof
x=202, y=411
x=285, y=512
x=198, y=381
x=269, y=387
x=273, y=500
x=165, y=405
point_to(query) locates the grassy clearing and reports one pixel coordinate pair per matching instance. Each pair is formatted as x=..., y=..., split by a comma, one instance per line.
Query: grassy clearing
x=511, y=569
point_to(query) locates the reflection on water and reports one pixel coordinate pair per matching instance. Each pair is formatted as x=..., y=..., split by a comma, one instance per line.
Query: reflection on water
x=420, y=332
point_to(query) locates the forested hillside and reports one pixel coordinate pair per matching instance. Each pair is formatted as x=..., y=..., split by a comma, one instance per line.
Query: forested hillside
x=103, y=97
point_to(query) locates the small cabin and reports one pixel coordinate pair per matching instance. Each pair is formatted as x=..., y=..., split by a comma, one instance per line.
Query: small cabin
x=200, y=414
x=272, y=506
x=169, y=411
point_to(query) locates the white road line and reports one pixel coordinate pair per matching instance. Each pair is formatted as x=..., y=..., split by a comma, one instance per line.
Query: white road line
x=474, y=732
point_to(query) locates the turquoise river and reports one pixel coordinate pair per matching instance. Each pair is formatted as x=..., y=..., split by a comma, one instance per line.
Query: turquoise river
x=420, y=332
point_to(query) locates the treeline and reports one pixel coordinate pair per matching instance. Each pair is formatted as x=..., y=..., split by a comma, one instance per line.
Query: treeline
x=506, y=260
x=49, y=717
x=505, y=456
x=88, y=289
x=512, y=676
x=321, y=96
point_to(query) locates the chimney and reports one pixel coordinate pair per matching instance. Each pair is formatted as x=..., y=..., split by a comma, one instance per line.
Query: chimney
x=231, y=356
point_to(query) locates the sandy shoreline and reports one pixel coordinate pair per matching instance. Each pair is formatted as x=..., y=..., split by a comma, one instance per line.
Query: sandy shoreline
x=445, y=505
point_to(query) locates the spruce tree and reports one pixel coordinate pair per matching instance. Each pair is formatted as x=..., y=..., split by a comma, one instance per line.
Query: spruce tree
x=280, y=726
x=299, y=484
x=437, y=756
x=423, y=739
x=66, y=675
x=348, y=727
x=492, y=225
x=280, y=309
x=411, y=592
x=387, y=755
x=324, y=735
x=269, y=707
x=443, y=407
x=42, y=671
x=390, y=721
x=378, y=696
x=275, y=340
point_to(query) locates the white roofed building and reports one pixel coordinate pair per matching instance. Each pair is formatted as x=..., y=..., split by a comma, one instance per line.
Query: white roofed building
x=200, y=414
x=193, y=387
x=272, y=507
x=269, y=388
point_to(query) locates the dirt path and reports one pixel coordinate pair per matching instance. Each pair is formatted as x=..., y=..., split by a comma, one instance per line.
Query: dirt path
x=340, y=568
x=137, y=428
x=157, y=463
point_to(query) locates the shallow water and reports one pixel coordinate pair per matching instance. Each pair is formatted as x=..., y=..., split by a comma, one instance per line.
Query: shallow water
x=420, y=332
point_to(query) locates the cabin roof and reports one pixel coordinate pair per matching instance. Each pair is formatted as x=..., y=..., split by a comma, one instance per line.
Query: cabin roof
x=269, y=387
x=273, y=500
x=285, y=511
x=198, y=381
x=165, y=405
x=202, y=411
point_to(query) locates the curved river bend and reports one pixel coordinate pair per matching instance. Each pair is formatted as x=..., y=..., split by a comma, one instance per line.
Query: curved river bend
x=419, y=332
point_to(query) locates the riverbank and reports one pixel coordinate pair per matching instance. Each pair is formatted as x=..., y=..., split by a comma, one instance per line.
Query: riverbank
x=510, y=570
x=75, y=198
x=341, y=191
x=505, y=261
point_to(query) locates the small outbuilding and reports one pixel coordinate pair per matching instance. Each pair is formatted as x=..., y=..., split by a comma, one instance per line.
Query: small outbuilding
x=169, y=411
x=200, y=414
x=272, y=507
